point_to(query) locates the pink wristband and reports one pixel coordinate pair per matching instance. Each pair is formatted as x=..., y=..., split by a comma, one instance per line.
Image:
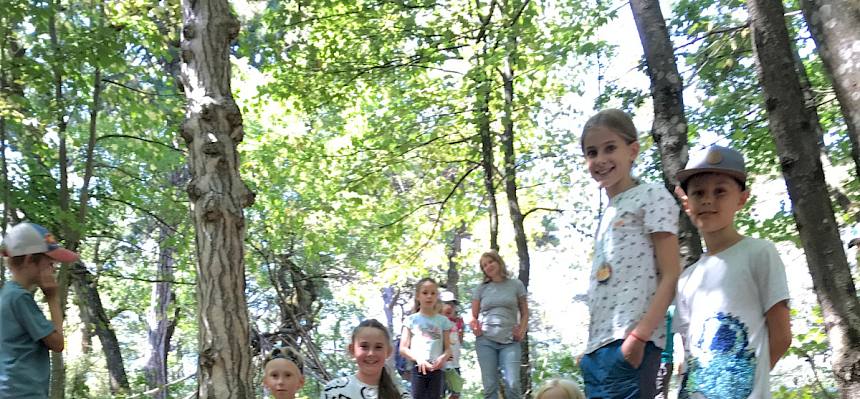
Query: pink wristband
x=638, y=338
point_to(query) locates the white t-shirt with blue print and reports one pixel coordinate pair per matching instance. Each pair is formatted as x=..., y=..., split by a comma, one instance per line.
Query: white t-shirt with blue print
x=720, y=311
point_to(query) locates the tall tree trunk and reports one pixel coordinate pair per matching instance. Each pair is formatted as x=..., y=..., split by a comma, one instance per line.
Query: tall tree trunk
x=487, y=158
x=513, y=10
x=835, y=27
x=86, y=291
x=160, y=323
x=212, y=130
x=58, y=368
x=670, y=124
x=804, y=177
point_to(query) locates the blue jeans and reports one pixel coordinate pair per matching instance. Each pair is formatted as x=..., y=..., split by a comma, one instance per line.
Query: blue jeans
x=608, y=375
x=492, y=357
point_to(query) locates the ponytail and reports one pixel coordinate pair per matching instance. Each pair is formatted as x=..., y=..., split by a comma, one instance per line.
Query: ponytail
x=387, y=388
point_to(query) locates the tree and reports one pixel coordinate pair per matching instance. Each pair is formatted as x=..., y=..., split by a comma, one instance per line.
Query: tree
x=669, y=129
x=212, y=130
x=835, y=26
x=798, y=151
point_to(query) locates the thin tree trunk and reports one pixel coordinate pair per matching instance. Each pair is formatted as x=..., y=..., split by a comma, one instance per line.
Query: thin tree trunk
x=512, y=9
x=453, y=273
x=212, y=130
x=160, y=323
x=670, y=124
x=835, y=27
x=58, y=368
x=487, y=158
x=86, y=290
x=813, y=212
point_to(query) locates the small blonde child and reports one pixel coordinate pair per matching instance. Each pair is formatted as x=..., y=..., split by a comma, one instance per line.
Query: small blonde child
x=559, y=388
x=282, y=373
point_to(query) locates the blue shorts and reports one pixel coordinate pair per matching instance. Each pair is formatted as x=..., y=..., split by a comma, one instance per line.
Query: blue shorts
x=608, y=375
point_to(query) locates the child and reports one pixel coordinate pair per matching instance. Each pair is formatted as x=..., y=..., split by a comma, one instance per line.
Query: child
x=732, y=306
x=370, y=346
x=635, y=267
x=282, y=374
x=25, y=334
x=559, y=388
x=453, y=380
x=425, y=341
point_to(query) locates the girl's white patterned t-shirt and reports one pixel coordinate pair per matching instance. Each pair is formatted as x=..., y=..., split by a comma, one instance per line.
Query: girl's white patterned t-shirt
x=624, y=246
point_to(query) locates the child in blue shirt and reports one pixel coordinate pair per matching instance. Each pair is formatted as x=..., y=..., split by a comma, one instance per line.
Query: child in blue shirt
x=25, y=334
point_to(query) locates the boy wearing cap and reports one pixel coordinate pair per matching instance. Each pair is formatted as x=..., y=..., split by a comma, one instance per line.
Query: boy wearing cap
x=732, y=305
x=25, y=334
x=453, y=380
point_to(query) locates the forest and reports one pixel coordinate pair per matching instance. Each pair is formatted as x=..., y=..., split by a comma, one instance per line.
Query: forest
x=249, y=174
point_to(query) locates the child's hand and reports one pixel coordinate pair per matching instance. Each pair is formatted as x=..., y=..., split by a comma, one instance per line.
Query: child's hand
x=424, y=367
x=633, y=351
x=47, y=281
x=476, y=328
x=440, y=361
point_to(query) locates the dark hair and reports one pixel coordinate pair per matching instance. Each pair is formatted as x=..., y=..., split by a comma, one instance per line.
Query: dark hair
x=416, y=304
x=614, y=119
x=286, y=353
x=387, y=389
x=17, y=261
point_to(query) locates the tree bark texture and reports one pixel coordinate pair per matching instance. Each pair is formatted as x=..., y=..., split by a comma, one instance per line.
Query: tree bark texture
x=212, y=130
x=452, y=275
x=813, y=212
x=160, y=323
x=487, y=158
x=670, y=124
x=93, y=313
x=510, y=169
x=835, y=27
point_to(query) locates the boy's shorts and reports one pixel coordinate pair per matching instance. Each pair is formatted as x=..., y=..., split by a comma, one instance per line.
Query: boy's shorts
x=608, y=375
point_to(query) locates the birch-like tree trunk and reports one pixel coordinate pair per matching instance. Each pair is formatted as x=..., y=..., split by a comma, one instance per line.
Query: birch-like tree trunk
x=835, y=27
x=813, y=212
x=212, y=130
x=670, y=124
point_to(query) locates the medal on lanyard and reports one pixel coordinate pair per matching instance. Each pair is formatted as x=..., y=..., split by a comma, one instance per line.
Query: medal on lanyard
x=604, y=272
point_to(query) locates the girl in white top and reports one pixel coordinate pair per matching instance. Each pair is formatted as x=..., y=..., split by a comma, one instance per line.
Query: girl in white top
x=370, y=346
x=635, y=267
x=425, y=340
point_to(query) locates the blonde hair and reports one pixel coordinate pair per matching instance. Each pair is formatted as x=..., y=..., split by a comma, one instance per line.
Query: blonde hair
x=613, y=119
x=569, y=387
x=492, y=254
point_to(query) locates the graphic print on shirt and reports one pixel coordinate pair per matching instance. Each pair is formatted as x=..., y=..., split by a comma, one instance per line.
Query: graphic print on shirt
x=725, y=366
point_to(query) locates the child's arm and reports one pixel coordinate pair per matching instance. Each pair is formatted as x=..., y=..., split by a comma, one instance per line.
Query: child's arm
x=669, y=269
x=405, y=343
x=778, y=321
x=446, y=353
x=55, y=340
